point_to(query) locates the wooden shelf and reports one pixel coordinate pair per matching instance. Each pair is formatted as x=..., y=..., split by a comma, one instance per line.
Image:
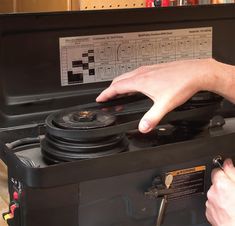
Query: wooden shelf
x=65, y=5
x=110, y=4
x=7, y=6
x=42, y=5
x=4, y=198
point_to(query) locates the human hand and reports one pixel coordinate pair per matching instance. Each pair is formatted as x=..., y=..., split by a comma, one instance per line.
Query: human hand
x=168, y=85
x=220, y=206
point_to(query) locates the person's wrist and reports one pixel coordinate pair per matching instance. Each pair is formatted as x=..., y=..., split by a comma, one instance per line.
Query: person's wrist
x=222, y=79
x=208, y=74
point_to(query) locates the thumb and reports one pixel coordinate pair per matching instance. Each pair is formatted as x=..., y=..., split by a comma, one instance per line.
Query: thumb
x=152, y=117
x=229, y=169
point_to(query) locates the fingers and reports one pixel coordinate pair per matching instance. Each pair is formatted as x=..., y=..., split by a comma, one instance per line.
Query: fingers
x=158, y=84
x=216, y=175
x=229, y=169
x=220, y=203
x=124, y=86
x=210, y=212
x=228, y=172
x=153, y=116
x=116, y=87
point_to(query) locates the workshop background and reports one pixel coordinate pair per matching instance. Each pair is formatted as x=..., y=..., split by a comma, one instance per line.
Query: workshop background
x=8, y=6
x=15, y=6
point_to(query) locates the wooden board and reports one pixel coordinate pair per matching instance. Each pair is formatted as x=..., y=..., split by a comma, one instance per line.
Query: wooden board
x=7, y=6
x=62, y=5
x=75, y=4
x=110, y=4
x=3, y=209
x=42, y=5
x=4, y=199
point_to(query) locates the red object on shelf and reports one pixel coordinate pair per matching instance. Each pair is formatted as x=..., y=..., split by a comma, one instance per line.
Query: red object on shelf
x=15, y=195
x=192, y=2
x=149, y=3
x=165, y=3
x=13, y=208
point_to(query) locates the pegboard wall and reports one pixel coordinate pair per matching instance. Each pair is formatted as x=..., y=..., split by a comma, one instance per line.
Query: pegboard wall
x=110, y=4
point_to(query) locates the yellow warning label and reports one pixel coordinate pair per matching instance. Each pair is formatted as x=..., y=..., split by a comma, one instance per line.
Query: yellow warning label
x=187, y=182
x=187, y=171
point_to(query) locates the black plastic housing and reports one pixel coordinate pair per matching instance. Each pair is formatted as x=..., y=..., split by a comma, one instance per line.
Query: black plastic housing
x=29, y=51
x=107, y=191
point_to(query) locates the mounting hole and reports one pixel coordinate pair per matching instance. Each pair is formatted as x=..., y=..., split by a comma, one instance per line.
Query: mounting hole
x=126, y=5
x=118, y=5
x=102, y=6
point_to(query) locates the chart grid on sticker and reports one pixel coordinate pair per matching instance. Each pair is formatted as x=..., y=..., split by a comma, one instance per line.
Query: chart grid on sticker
x=99, y=58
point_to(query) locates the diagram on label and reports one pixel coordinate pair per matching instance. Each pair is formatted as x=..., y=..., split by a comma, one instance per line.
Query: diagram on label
x=99, y=58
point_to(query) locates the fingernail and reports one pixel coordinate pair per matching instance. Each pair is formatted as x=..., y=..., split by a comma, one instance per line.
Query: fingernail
x=144, y=126
x=98, y=99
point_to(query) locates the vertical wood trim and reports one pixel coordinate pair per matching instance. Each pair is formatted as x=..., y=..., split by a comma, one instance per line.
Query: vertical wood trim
x=69, y=5
x=14, y=6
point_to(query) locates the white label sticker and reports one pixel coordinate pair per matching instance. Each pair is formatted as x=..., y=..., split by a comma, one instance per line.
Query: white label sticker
x=98, y=58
